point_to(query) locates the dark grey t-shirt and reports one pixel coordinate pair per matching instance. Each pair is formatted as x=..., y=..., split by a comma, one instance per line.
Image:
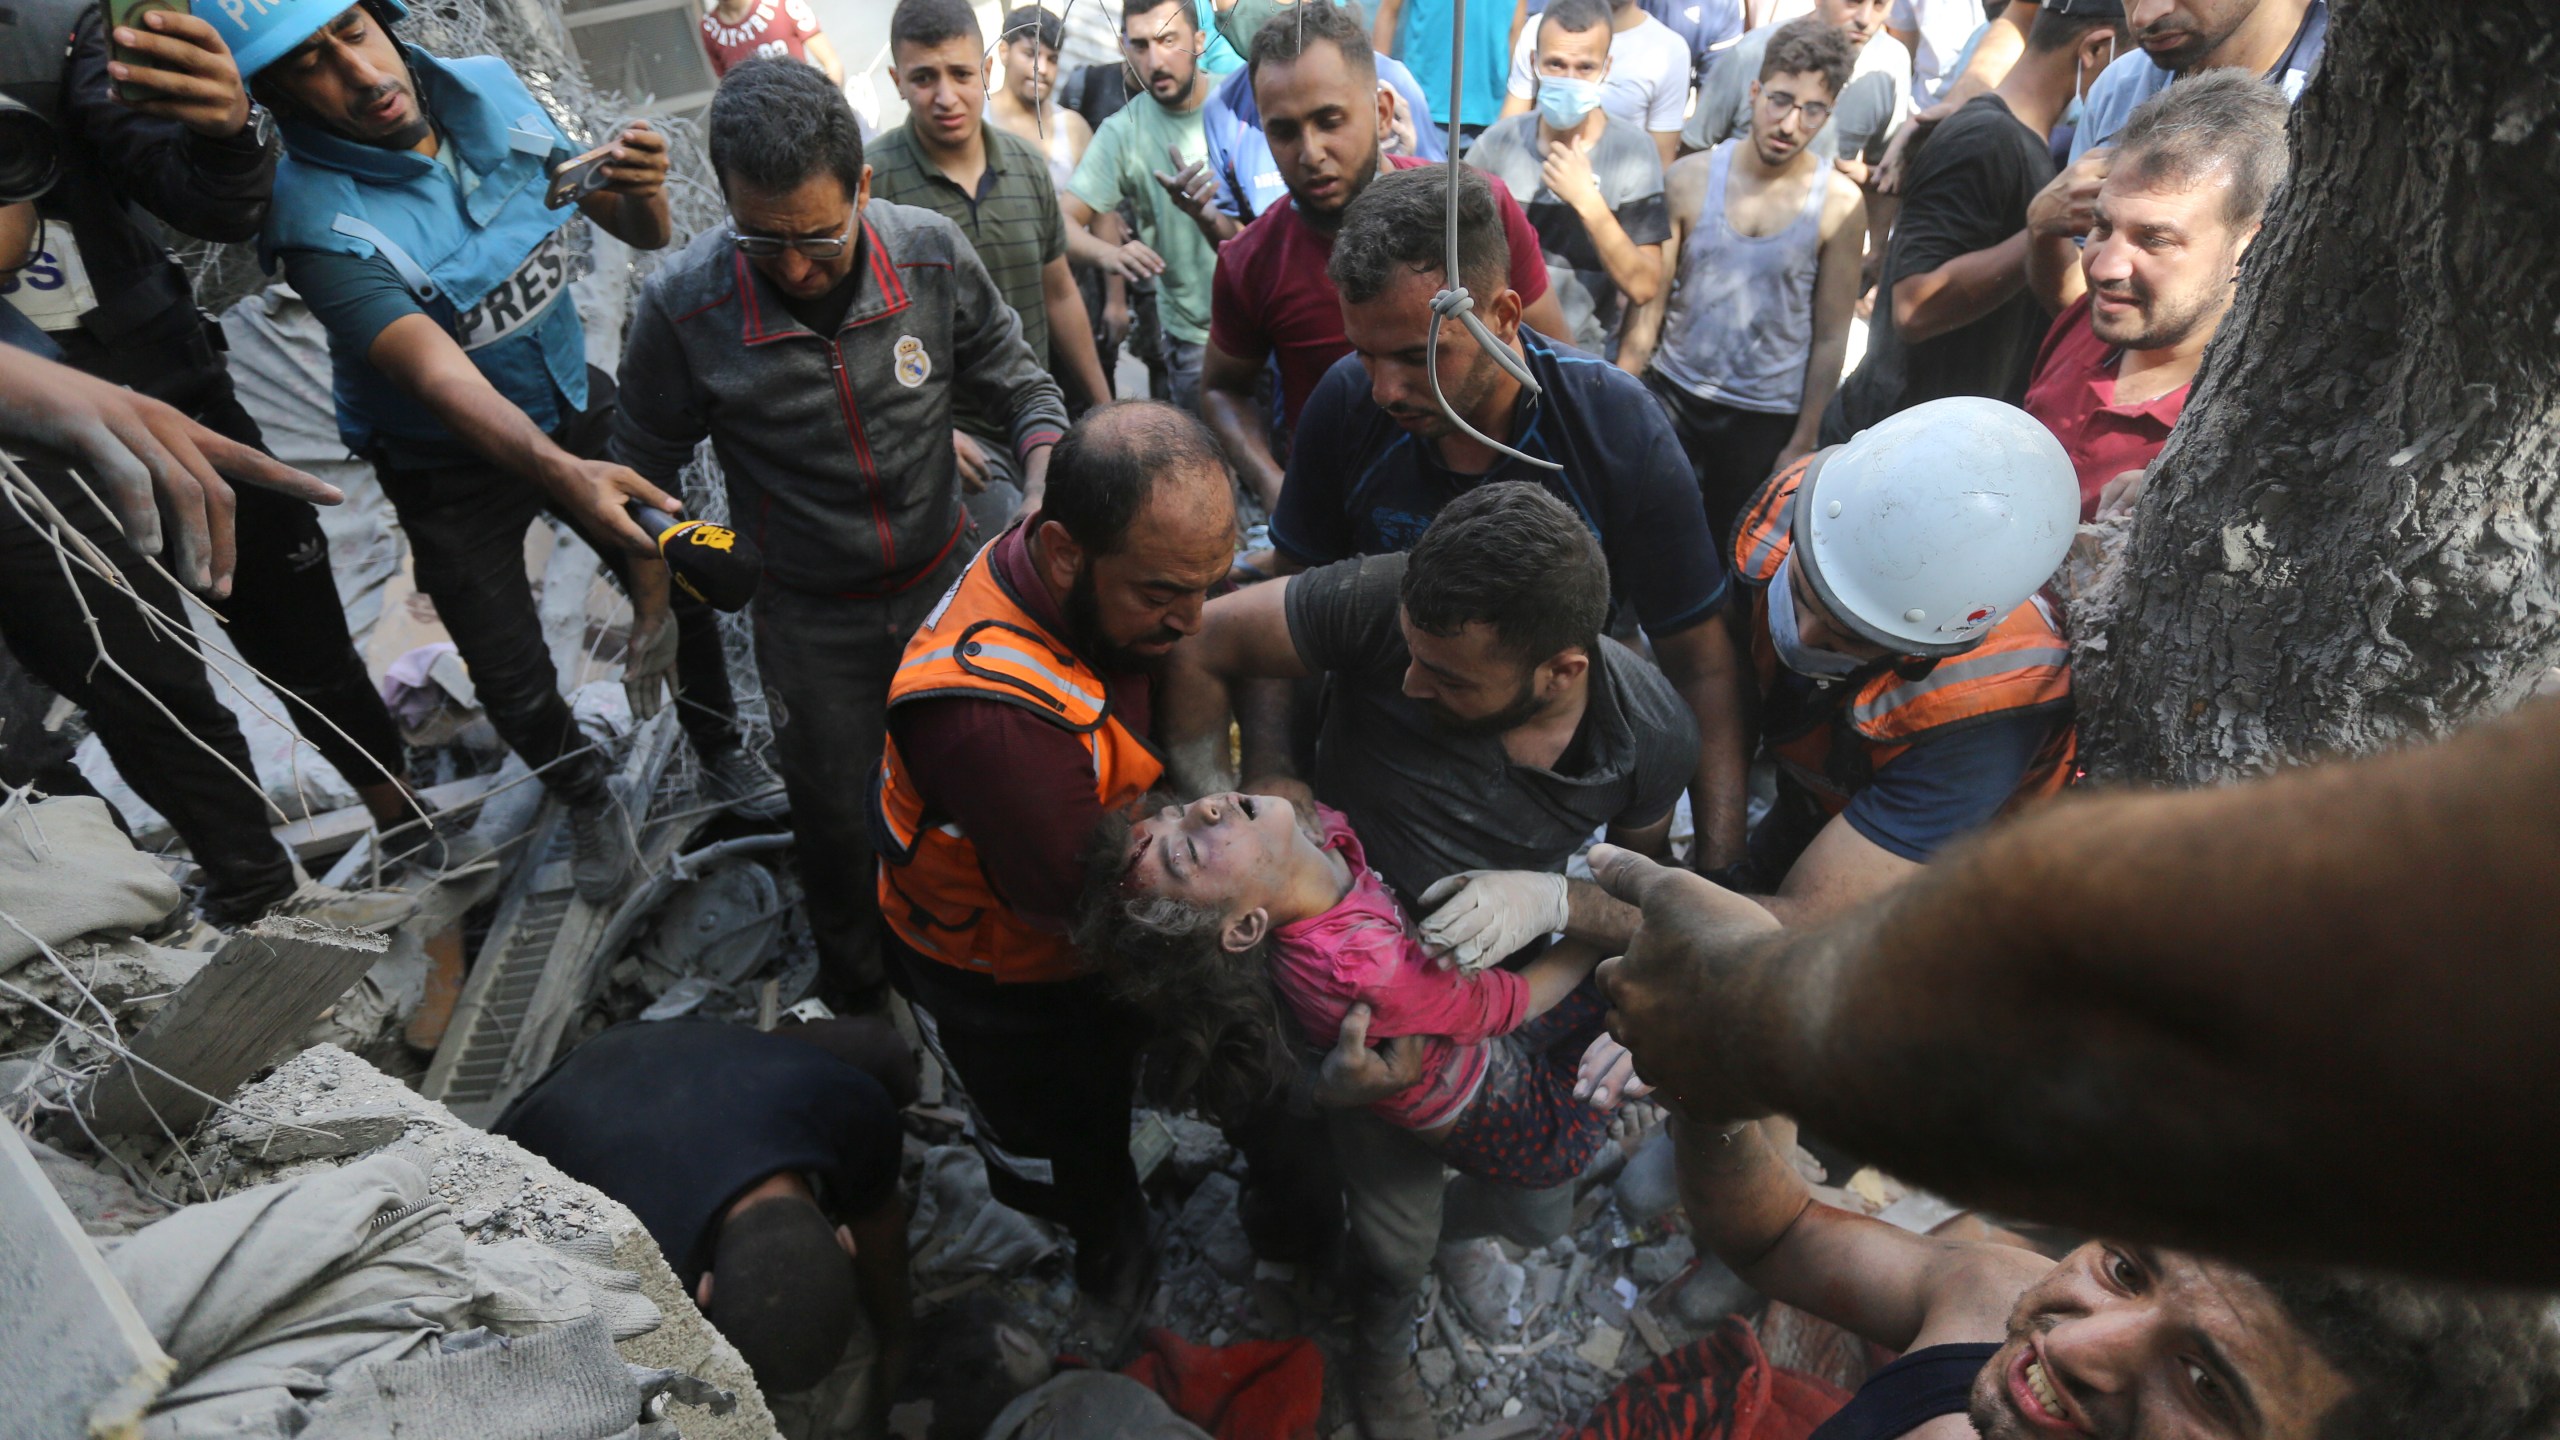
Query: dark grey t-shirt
x=1428, y=803
x=1628, y=169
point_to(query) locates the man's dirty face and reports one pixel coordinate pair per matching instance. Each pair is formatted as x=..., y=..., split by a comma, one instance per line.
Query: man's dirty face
x=1229, y=852
x=2177, y=34
x=1127, y=610
x=2124, y=1341
x=785, y=227
x=1469, y=682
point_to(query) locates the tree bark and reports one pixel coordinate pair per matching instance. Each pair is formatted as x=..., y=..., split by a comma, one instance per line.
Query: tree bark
x=2350, y=539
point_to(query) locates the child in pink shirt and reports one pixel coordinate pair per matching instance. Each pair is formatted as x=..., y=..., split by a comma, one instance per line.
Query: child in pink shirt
x=1201, y=910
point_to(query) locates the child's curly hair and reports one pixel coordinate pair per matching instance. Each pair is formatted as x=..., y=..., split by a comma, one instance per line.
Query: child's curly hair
x=1220, y=1042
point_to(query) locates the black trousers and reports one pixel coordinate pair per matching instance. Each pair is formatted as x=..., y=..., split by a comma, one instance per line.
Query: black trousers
x=466, y=527
x=283, y=613
x=1732, y=451
x=152, y=722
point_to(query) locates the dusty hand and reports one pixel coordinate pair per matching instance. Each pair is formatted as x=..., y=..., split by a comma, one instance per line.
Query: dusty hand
x=1354, y=1075
x=974, y=472
x=2068, y=204
x=1287, y=787
x=143, y=455
x=1566, y=172
x=1897, y=151
x=1115, y=325
x=639, y=164
x=1483, y=915
x=595, y=490
x=1403, y=136
x=1857, y=170
x=1607, y=1075
x=1135, y=262
x=1795, y=451
x=1193, y=188
x=187, y=71
x=1664, y=992
x=649, y=662
x=2121, y=494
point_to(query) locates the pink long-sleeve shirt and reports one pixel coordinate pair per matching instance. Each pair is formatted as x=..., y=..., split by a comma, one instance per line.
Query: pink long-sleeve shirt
x=1359, y=951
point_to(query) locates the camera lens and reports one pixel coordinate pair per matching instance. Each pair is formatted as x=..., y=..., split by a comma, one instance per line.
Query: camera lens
x=30, y=158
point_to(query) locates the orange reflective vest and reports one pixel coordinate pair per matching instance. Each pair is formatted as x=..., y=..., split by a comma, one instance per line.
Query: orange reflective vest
x=2023, y=665
x=934, y=893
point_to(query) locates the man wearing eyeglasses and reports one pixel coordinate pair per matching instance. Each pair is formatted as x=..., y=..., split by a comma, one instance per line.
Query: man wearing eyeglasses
x=822, y=343
x=1746, y=348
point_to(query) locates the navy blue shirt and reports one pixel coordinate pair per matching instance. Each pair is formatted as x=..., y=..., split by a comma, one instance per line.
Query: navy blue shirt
x=1360, y=485
x=1937, y=790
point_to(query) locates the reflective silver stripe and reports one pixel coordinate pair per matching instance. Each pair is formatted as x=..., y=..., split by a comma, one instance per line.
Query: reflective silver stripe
x=1023, y=658
x=1769, y=535
x=2055, y=655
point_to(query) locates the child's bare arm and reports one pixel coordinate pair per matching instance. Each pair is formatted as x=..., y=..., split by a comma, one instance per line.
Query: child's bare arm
x=1554, y=975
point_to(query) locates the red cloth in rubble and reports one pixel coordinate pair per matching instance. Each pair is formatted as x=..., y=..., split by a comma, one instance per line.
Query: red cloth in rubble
x=1719, y=1388
x=1257, y=1390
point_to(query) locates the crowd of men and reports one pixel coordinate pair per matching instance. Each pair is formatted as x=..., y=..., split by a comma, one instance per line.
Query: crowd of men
x=1113, y=797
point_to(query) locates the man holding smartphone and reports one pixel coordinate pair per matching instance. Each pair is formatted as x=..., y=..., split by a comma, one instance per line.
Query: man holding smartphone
x=412, y=212
x=150, y=113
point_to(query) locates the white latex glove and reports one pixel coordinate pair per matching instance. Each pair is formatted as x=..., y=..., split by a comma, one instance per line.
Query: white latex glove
x=1483, y=915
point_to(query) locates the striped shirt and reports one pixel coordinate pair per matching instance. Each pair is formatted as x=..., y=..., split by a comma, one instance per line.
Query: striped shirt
x=1013, y=221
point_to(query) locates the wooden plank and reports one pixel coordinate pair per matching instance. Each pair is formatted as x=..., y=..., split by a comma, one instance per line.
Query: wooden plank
x=246, y=1008
x=75, y=1358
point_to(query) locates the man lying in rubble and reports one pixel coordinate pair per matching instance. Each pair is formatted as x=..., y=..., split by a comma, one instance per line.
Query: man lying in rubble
x=414, y=212
x=2123, y=1341
x=765, y=1165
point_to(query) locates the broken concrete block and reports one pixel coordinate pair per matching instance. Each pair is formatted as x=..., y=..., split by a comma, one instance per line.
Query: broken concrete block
x=1601, y=1346
x=75, y=1358
x=310, y=1136
x=1438, y=1367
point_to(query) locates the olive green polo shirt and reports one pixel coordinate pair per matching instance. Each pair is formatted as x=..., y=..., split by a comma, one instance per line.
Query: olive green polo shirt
x=1013, y=221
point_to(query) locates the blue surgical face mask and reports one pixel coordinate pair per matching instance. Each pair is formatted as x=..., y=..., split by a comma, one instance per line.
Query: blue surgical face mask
x=1792, y=651
x=1564, y=100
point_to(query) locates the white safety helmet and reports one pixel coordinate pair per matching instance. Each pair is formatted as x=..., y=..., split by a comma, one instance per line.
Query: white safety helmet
x=1928, y=528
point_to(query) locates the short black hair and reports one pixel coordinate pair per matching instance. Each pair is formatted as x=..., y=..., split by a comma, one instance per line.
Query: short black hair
x=1032, y=22
x=1809, y=45
x=1133, y=8
x=777, y=123
x=1310, y=21
x=782, y=1289
x=1511, y=556
x=2207, y=122
x=1109, y=462
x=928, y=23
x=1574, y=17
x=1395, y=226
x=2439, y=1361
x=2053, y=32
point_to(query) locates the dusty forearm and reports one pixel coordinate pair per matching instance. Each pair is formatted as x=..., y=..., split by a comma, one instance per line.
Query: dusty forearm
x=2053, y=272
x=1959, y=292
x=1636, y=269
x=496, y=430
x=1071, y=336
x=1821, y=382
x=1263, y=709
x=1594, y=915
x=1554, y=975
x=1195, y=709
x=1238, y=423
x=1700, y=663
x=1741, y=1193
x=642, y=222
x=1086, y=248
x=1643, y=332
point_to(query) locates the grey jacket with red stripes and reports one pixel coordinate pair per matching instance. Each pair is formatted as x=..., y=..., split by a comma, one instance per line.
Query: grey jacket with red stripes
x=837, y=448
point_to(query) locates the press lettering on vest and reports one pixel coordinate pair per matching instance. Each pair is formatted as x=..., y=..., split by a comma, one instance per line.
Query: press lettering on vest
x=524, y=298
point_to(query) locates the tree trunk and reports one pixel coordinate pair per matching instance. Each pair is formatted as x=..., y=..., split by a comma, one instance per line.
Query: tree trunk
x=2350, y=539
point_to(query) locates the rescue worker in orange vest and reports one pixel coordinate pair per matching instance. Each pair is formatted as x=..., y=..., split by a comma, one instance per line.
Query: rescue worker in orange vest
x=1018, y=716
x=1911, y=682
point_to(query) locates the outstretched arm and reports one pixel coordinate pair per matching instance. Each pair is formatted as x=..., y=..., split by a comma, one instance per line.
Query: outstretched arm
x=1242, y=636
x=2267, y=1018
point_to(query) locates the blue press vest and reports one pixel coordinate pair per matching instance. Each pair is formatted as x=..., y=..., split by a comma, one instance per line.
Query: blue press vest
x=493, y=268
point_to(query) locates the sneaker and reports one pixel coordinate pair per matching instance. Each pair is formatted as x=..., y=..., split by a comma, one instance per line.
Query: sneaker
x=603, y=846
x=1386, y=1390
x=1482, y=1285
x=740, y=781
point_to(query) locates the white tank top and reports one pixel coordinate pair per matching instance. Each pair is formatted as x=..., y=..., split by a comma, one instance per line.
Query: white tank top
x=1739, y=328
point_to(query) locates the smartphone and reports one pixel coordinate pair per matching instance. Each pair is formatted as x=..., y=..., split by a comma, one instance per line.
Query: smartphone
x=578, y=178
x=128, y=14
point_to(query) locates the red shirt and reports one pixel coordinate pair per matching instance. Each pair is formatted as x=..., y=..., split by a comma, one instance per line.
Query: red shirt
x=775, y=29
x=1020, y=787
x=1271, y=294
x=2074, y=393
x=1360, y=951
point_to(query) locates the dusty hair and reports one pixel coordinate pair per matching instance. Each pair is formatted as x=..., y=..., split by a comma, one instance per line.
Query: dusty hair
x=2438, y=1361
x=2220, y=120
x=1511, y=556
x=1219, y=1041
x=1809, y=44
x=1395, y=228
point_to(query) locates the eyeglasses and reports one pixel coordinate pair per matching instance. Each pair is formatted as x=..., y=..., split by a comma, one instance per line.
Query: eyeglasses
x=1780, y=102
x=817, y=247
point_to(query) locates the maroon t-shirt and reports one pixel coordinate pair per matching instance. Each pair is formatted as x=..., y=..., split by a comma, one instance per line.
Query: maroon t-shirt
x=2074, y=393
x=1019, y=786
x=1271, y=294
x=774, y=29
